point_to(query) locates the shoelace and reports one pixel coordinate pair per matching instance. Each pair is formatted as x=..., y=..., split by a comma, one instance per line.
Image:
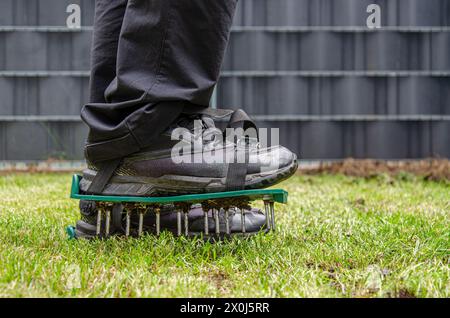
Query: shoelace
x=208, y=130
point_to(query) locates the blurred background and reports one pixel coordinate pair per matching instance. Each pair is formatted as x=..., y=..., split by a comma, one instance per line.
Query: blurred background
x=312, y=68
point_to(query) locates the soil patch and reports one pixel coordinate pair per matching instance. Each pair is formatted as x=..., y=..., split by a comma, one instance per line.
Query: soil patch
x=430, y=169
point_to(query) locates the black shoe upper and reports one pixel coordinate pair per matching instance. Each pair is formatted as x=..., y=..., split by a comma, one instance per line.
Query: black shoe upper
x=201, y=153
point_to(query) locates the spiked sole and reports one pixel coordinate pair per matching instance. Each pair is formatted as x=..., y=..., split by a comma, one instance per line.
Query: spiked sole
x=109, y=209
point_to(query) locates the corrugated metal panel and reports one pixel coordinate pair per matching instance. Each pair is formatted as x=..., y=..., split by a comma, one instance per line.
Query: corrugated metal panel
x=45, y=51
x=41, y=140
x=337, y=95
x=42, y=12
x=373, y=139
x=338, y=51
x=254, y=51
x=310, y=139
x=43, y=95
x=55, y=95
x=341, y=12
x=334, y=88
x=257, y=12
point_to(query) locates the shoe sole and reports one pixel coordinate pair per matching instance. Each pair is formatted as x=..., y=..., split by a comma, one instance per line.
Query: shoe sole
x=84, y=230
x=168, y=185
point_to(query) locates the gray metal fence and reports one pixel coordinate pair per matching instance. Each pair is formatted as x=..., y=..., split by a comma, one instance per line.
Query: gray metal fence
x=310, y=67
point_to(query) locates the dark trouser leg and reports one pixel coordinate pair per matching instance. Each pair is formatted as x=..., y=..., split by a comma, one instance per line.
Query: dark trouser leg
x=109, y=16
x=168, y=59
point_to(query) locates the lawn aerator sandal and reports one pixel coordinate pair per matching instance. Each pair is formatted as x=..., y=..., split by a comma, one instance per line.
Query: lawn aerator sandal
x=215, y=205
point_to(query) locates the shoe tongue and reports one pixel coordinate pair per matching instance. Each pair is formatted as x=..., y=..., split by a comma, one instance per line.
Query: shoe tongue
x=208, y=121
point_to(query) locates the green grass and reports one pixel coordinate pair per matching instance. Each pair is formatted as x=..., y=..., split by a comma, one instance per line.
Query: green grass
x=338, y=237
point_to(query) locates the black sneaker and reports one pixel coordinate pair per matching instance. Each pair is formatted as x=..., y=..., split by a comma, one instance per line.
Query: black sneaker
x=154, y=171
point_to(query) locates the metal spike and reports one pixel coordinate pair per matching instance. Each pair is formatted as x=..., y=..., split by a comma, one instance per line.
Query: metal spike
x=179, y=223
x=141, y=222
x=108, y=221
x=99, y=222
x=186, y=224
x=227, y=222
x=128, y=223
x=216, y=218
x=267, y=215
x=206, y=223
x=272, y=214
x=158, y=221
x=243, y=221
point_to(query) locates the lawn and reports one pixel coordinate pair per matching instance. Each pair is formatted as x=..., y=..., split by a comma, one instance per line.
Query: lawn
x=338, y=237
